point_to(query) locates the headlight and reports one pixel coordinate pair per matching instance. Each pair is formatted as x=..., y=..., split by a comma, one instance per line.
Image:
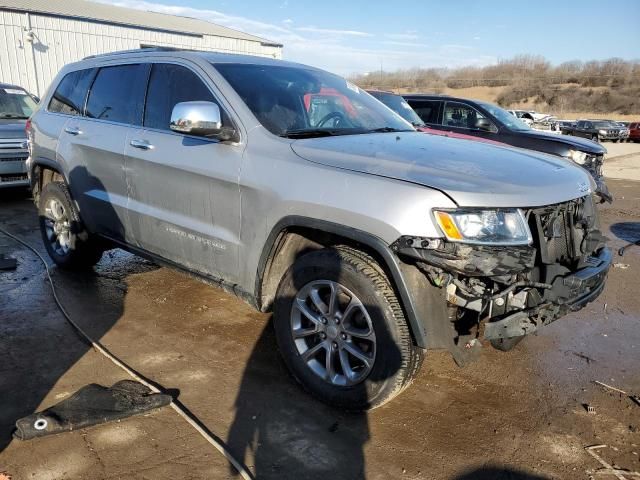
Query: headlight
x=493, y=227
x=602, y=132
x=579, y=157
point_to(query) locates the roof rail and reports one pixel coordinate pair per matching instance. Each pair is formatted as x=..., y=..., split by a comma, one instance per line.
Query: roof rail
x=146, y=49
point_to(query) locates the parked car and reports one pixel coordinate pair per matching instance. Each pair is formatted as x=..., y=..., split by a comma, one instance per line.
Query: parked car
x=523, y=115
x=596, y=130
x=16, y=106
x=634, y=132
x=624, y=130
x=399, y=105
x=485, y=120
x=565, y=125
x=369, y=240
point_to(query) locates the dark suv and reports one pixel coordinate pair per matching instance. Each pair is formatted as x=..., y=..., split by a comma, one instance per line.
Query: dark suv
x=486, y=120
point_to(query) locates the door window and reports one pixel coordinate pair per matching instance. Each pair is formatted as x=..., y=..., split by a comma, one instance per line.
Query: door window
x=460, y=115
x=117, y=94
x=427, y=110
x=171, y=84
x=71, y=93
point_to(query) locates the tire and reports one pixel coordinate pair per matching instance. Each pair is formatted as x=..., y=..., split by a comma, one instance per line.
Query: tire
x=377, y=317
x=506, y=344
x=67, y=242
x=595, y=138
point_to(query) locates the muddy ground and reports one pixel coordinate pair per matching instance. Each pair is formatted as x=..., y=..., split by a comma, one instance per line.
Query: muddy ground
x=516, y=415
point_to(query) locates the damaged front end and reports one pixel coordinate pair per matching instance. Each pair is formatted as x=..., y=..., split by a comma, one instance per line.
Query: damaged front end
x=507, y=291
x=593, y=164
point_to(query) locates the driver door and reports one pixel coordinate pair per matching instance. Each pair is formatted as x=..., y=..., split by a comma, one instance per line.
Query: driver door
x=461, y=118
x=184, y=199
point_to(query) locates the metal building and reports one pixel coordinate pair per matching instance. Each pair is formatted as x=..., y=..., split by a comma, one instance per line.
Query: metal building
x=38, y=37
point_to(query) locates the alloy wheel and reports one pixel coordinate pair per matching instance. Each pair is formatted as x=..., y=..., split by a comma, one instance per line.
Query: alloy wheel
x=333, y=333
x=57, y=226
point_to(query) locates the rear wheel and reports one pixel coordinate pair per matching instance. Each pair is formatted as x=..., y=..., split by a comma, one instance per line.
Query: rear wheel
x=342, y=332
x=63, y=234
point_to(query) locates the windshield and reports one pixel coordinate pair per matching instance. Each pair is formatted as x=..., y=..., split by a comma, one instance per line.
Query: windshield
x=15, y=103
x=400, y=106
x=511, y=122
x=298, y=102
x=603, y=125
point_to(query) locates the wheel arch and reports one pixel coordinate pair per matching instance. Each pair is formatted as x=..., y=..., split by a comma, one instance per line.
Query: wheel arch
x=42, y=172
x=293, y=236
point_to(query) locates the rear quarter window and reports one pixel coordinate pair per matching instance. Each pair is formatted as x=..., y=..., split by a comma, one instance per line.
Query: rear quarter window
x=427, y=110
x=69, y=96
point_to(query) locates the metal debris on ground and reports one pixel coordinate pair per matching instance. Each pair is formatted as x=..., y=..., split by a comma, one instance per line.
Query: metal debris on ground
x=607, y=469
x=622, y=266
x=583, y=356
x=590, y=409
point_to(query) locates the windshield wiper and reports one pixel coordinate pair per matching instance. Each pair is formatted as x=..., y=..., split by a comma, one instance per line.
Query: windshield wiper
x=418, y=124
x=388, y=129
x=310, y=133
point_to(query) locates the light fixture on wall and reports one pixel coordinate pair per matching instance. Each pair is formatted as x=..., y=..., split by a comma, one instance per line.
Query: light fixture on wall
x=29, y=36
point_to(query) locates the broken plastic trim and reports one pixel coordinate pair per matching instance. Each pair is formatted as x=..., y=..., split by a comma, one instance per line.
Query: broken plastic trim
x=469, y=260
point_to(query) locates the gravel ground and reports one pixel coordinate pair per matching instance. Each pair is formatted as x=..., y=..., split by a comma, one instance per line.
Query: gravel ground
x=516, y=415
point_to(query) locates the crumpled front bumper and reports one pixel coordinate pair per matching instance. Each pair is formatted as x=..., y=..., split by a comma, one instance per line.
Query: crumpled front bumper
x=574, y=292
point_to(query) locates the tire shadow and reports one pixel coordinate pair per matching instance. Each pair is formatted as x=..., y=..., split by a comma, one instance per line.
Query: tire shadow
x=291, y=435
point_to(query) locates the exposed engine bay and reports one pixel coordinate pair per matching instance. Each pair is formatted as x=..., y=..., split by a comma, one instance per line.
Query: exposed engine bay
x=514, y=290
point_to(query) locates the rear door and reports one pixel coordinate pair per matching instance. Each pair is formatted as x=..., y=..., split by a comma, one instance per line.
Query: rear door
x=93, y=147
x=184, y=198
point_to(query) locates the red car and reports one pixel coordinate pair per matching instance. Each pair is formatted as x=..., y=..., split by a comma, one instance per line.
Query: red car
x=401, y=107
x=634, y=132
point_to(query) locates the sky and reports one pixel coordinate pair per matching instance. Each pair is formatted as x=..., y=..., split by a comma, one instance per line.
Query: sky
x=350, y=37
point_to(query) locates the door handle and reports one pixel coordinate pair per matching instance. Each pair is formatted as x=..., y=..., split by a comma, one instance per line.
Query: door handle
x=141, y=144
x=73, y=130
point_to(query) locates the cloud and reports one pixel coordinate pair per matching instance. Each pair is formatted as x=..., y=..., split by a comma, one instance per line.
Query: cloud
x=407, y=44
x=329, y=31
x=339, y=51
x=409, y=35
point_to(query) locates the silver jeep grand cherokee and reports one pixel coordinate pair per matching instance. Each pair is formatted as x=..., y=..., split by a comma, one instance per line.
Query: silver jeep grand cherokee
x=299, y=192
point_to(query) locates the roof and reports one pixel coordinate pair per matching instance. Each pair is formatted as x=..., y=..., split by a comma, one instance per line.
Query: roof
x=211, y=57
x=100, y=12
x=9, y=85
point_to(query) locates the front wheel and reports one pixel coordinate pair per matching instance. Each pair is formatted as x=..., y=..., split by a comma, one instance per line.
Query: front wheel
x=63, y=234
x=341, y=330
x=595, y=138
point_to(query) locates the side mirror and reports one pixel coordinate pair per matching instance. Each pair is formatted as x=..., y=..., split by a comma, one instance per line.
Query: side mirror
x=197, y=118
x=484, y=125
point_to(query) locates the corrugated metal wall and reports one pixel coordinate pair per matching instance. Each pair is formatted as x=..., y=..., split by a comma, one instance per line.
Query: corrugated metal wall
x=57, y=41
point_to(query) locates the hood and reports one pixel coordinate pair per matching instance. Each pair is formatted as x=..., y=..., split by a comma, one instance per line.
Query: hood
x=473, y=174
x=576, y=143
x=12, y=128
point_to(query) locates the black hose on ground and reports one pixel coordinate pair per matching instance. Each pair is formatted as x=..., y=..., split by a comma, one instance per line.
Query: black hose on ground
x=177, y=406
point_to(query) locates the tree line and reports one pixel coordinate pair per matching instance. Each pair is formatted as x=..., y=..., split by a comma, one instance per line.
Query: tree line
x=601, y=86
